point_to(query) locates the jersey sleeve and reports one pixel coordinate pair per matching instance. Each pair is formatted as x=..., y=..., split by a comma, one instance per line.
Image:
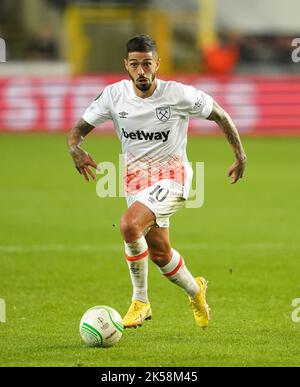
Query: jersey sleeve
x=98, y=111
x=197, y=103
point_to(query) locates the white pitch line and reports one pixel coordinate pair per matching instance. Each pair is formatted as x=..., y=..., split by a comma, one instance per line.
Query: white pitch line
x=119, y=247
x=56, y=248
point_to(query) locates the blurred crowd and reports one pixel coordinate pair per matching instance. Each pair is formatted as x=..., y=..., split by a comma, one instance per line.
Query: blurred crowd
x=42, y=46
x=265, y=48
x=236, y=50
x=232, y=52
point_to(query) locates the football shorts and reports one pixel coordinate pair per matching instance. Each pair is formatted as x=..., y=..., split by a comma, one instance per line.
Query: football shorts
x=163, y=198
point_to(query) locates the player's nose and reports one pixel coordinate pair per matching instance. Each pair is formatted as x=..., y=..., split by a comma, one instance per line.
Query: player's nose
x=140, y=70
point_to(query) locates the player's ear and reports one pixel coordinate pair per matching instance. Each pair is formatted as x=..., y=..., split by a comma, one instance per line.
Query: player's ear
x=126, y=63
x=157, y=63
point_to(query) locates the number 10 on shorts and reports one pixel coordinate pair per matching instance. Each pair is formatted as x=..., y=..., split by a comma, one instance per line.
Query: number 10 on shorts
x=160, y=193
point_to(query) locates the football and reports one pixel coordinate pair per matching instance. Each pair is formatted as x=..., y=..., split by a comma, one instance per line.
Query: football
x=101, y=326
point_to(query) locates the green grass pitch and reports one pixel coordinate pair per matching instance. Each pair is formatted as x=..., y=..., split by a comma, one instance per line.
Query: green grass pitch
x=60, y=254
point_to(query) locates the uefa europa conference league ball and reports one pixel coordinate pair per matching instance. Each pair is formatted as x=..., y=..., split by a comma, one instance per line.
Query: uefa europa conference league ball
x=101, y=326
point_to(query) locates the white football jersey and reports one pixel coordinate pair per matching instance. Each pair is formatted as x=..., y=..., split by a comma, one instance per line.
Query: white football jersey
x=153, y=130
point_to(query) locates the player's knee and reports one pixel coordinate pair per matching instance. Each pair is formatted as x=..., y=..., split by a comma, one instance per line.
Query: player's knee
x=130, y=228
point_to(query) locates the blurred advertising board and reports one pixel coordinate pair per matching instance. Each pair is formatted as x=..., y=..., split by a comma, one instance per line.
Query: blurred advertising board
x=259, y=105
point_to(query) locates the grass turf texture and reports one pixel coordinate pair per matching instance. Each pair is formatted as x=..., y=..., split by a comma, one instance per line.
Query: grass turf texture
x=60, y=254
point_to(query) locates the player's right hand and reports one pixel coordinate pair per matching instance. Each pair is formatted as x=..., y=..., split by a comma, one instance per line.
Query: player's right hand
x=83, y=161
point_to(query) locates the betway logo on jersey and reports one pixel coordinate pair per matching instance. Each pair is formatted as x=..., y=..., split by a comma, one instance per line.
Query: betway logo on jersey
x=151, y=136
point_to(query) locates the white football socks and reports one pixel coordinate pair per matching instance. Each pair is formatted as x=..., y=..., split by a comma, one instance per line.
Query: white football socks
x=177, y=272
x=136, y=254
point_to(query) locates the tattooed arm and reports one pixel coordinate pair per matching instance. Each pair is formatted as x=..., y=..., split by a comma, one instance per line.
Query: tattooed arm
x=225, y=122
x=81, y=158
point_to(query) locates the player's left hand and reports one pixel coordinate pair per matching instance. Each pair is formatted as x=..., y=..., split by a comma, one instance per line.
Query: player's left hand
x=236, y=170
x=83, y=161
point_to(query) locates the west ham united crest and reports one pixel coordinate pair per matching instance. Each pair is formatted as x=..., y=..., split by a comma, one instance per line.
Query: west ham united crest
x=163, y=113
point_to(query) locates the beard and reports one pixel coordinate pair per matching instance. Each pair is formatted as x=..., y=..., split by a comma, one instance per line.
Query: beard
x=143, y=86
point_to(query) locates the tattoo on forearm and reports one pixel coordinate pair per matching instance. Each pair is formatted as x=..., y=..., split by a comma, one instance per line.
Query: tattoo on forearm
x=232, y=136
x=83, y=128
x=229, y=131
x=77, y=134
x=225, y=122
